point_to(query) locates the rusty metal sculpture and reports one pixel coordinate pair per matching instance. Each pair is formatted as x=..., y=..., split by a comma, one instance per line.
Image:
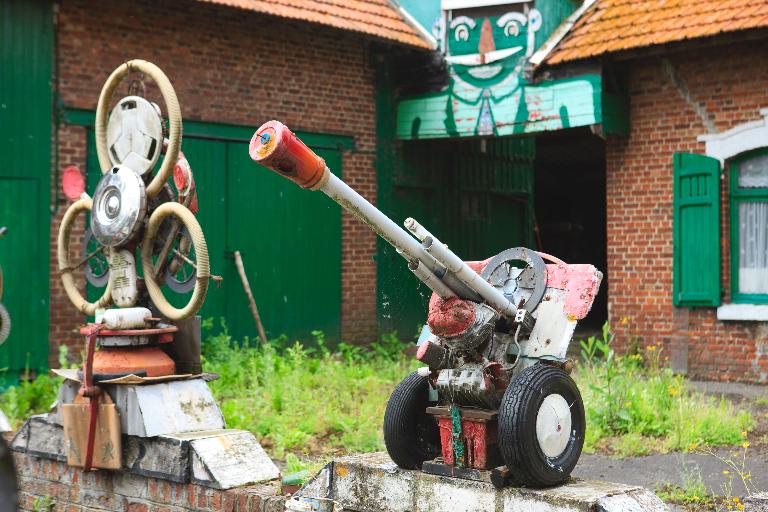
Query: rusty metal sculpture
x=495, y=393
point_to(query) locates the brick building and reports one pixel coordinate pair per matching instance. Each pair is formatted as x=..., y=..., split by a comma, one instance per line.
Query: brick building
x=234, y=65
x=686, y=253
x=662, y=183
x=571, y=140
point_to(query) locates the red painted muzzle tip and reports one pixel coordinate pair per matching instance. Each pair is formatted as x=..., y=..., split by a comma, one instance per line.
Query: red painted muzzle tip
x=277, y=148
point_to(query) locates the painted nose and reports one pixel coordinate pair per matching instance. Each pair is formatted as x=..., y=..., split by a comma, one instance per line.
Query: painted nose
x=486, y=44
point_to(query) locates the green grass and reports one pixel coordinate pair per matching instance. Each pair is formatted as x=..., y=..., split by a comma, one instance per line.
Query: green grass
x=307, y=400
x=635, y=406
x=313, y=400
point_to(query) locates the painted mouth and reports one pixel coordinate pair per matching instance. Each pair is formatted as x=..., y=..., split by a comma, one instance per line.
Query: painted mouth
x=485, y=72
x=475, y=59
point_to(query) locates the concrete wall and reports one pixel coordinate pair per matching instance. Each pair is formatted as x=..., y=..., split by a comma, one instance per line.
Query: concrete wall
x=730, y=83
x=231, y=66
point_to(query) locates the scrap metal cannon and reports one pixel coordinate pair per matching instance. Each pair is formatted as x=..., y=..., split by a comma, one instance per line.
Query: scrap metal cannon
x=495, y=399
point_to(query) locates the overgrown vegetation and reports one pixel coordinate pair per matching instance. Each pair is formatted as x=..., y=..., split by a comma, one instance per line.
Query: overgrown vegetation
x=307, y=399
x=321, y=401
x=636, y=406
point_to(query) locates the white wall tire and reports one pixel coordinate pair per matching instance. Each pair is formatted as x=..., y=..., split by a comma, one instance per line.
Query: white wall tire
x=541, y=426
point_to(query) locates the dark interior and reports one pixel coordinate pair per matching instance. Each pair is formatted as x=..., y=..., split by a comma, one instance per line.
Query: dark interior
x=569, y=195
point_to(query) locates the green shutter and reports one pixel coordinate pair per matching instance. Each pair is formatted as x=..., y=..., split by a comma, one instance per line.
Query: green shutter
x=696, y=230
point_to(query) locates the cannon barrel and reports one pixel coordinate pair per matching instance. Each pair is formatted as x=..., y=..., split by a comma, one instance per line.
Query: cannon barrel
x=274, y=146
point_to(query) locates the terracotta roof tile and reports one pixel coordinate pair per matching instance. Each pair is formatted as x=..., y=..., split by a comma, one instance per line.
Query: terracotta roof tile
x=373, y=17
x=615, y=25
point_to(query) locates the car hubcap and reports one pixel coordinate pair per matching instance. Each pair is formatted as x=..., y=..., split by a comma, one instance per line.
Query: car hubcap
x=553, y=425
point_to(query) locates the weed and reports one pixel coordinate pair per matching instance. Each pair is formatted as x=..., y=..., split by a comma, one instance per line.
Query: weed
x=634, y=405
x=692, y=494
x=307, y=399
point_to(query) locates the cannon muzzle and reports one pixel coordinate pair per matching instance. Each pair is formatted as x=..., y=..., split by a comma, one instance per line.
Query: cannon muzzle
x=274, y=146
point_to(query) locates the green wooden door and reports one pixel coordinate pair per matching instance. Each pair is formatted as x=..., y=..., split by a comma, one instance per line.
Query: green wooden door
x=24, y=264
x=289, y=239
x=475, y=196
x=26, y=44
x=290, y=242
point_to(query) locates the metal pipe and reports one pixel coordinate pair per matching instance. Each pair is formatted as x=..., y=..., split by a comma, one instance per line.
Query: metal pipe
x=277, y=148
x=427, y=277
x=472, y=279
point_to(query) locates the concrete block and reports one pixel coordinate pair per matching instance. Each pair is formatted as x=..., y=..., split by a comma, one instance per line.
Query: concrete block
x=41, y=438
x=372, y=482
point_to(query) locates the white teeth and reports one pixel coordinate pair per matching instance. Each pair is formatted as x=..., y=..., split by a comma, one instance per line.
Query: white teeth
x=485, y=72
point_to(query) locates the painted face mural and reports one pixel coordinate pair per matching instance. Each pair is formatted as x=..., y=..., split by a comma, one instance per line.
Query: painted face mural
x=486, y=54
x=486, y=49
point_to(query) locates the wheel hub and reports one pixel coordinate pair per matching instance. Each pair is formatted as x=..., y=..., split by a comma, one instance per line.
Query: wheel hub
x=553, y=425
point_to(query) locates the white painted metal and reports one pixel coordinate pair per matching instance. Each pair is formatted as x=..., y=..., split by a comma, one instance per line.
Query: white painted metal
x=122, y=273
x=135, y=134
x=463, y=272
x=749, y=312
x=739, y=139
x=553, y=425
x=126, y=318
x=228, y=458
x=553, y=330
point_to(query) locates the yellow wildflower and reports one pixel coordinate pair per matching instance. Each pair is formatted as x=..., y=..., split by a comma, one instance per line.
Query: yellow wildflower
x=740, y=506
x=745, y=444
x=735, y=499
x=673, y=391
x=624, y=320
x=693, y=446
x=651, y=348
x=744, y=433
x=726, y=472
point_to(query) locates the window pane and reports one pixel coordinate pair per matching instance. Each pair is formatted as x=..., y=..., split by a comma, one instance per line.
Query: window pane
x=753, y=172
x=753, y=247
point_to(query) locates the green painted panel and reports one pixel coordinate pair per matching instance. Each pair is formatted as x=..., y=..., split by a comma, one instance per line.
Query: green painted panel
x=25, y=276
x=288, y=237
x=490, y=91
x=290, y=241
x=475, y=196
x=26, y=40
x=696, y=230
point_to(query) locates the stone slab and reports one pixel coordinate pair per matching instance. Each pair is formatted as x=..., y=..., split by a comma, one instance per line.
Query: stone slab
x=218, y=459
x=373, y=483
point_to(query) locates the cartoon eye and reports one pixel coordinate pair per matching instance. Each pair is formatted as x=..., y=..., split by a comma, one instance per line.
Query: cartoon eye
x=461, y=27
x=511, y=23
x=534, y=20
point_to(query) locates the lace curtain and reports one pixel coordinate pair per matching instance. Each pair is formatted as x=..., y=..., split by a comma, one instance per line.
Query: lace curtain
x=753, y=228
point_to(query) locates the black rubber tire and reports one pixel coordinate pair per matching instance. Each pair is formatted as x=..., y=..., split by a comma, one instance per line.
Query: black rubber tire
x=410, y=434
x=527, y=463
x=5, y=324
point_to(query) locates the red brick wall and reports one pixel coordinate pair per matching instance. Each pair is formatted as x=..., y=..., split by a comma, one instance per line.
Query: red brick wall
x=54, y=486
x=732, y=84
x=232, y=66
